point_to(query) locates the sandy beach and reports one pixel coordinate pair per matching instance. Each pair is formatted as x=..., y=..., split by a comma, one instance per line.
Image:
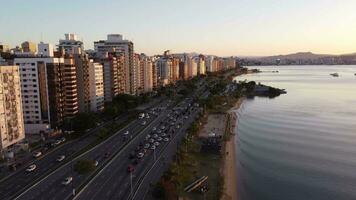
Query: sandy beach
x=229, y=163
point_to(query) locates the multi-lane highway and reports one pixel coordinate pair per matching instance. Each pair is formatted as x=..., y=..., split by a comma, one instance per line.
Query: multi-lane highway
x=116, y=182
x=20, y=180
x=50, y=187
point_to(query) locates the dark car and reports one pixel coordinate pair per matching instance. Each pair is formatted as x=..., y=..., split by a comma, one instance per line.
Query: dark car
x=106, y=155
x=130, y=168
x=132, y=155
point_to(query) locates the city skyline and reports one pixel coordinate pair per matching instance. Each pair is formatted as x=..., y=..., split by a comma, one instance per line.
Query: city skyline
x=235, y=29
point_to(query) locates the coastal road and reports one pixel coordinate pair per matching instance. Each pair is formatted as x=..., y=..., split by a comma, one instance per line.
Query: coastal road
x=113, y=182
x=50, y=187
x=19, y=180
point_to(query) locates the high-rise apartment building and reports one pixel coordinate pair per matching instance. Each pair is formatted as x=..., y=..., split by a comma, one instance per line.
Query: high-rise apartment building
x=201, y=64
x=29, y=47
x=164, y=66
x=71, y=44
x=4, y=48
x=11, y=116
x=48, y=89
x=115, y=43
x=147, y=67
x=96, y=86
x=114, y=75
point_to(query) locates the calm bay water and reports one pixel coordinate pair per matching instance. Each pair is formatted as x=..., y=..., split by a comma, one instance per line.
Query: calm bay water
x=301, y=145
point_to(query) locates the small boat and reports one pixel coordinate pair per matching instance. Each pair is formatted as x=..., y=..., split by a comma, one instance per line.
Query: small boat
x=335, y=74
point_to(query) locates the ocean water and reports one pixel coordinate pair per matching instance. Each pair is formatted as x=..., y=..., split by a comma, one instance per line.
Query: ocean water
x=301, y=145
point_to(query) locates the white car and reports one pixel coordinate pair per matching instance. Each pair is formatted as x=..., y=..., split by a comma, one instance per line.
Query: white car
x=140, y=155
x=147, y=116
x=166, y=139
x=37, y=154
x=153, y=147
x=141, y=115
x=31, y=168
x=143, y=123
x=60, y=158
x=96, y=163
x=67, y=180
x=126, y=133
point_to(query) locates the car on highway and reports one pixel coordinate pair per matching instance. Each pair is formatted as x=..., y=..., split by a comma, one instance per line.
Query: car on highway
x=143, y=123
x=141, y=115
x=57, y=142
x=132, y=155
x=37, y=154
x=106, y=155
x=126, y=133
x=140, y=155
x=67, y=180
x=31, y=168
x=60, y=158
x=96, y=163
x=130, y=169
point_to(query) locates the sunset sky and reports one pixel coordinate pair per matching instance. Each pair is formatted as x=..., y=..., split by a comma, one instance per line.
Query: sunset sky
x=219, y=27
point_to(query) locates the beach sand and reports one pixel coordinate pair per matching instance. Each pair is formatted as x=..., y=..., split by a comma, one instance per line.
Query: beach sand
x=229, y=163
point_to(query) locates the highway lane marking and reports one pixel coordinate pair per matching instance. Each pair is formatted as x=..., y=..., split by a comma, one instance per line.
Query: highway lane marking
x=119, y=153
x=81, y=155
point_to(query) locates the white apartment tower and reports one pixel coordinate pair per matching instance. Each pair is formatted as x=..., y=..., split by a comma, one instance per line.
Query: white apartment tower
x=11, y=116
x=71, y=44
x=96, y=86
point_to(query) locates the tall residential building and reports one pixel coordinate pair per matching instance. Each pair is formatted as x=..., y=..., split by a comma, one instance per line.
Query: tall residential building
x=4, y=48
x=115, y=43
x=96, y=86
x=174, y=71
x=164, y=66
x=48, y=89
x=114, y=75
x=71, y=44
x=147, y=66
x=201, y=64
x=11, y=117
x=155, y=82
x=138, y=78
x=29, y=47
x=192, y=67
x=209, y=63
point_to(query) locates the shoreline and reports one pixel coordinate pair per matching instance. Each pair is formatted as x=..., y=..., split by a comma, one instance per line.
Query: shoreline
x=229, y=164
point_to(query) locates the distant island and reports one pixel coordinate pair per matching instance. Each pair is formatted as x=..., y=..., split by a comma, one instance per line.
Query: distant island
x=301, y=58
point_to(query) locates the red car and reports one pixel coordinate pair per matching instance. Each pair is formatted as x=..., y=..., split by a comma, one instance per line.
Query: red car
x=130, y=168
